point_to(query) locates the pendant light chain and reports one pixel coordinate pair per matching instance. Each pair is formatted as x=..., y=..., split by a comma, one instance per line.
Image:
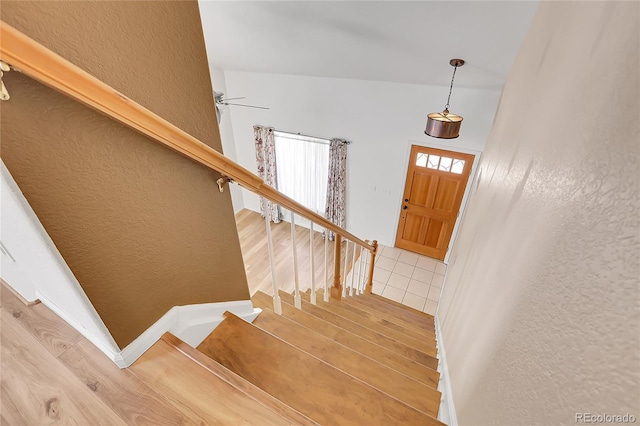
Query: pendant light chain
x=445, y=125
x=446, y=107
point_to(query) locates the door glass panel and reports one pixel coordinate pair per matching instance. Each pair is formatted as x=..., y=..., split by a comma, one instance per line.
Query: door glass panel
x=457, y=167
x=433, y=161
x=421, y=160
x=445, y=164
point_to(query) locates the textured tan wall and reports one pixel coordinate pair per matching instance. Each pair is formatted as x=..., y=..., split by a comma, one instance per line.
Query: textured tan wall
x=142, y=228
x=540, y=307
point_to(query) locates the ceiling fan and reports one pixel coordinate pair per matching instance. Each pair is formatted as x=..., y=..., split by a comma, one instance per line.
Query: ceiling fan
x=222, y=102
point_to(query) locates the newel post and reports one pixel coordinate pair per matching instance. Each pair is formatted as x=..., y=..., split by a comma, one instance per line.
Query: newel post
x=336, y=289
x=371, y=266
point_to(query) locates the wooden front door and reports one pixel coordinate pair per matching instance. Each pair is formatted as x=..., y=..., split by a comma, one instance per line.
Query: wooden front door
x=433, y=191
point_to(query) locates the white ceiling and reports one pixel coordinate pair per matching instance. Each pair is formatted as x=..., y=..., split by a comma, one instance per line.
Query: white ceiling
x=397, y=41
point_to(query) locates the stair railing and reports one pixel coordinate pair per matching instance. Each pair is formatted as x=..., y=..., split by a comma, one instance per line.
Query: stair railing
x=32, y=59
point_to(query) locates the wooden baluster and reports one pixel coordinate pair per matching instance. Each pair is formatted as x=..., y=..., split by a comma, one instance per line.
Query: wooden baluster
x=277, y=304
x=326, y=265
x=297, y=299
x=364, y=271
x=361, y=259
x=353, y=270
x=363, y=254
x=336, y=289
x=312, y=265
x=371, y=265
x=344, y=268
x=363, y=268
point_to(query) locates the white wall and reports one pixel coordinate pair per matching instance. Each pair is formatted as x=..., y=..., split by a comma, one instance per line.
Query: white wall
x=539, y=311
x=379, y=118
x=36, y=270
x=226, y=134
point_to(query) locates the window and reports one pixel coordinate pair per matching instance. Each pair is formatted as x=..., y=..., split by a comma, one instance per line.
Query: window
x=302, y=169
x=444, y=164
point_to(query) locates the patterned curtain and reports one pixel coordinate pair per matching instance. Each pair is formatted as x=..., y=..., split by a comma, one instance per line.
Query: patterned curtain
x=337, y=184
x=266, y=162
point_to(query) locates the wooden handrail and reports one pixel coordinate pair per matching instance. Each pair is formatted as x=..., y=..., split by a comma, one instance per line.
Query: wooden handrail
x=41, y=64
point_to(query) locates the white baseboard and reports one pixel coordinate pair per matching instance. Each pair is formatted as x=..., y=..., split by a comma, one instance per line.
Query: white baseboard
x=447, y=412
x=190, y=323
x=98, y=341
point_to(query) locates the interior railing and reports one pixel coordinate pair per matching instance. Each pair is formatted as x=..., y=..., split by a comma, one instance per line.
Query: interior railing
x=32, y=59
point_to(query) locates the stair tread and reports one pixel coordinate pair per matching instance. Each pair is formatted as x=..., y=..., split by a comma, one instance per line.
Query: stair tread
x=407, y=390
x=200, y=396
x=388, y=316
x=394, y=308
x=374, y=337
x=422, y=343
x=238, y=382
x=312, y=387
x=419, y=372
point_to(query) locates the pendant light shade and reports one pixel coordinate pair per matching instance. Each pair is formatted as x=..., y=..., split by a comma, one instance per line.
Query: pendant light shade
x=443, y=124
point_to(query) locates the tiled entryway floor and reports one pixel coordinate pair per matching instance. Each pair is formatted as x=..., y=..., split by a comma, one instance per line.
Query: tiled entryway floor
x=408, y=278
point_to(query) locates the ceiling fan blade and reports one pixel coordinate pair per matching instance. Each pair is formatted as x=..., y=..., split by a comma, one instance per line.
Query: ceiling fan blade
x=242, y=105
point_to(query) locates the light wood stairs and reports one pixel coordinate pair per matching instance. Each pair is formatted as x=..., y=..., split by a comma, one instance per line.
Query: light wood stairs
x=364, y=360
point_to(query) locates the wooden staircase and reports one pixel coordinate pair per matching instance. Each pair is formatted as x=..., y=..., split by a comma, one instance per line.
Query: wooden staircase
x=362, y=360
x=332, y=363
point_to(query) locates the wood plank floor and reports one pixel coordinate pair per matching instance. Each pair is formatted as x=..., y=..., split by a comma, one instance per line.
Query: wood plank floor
x=49, y=374
x=36, y=388
x=253, y=241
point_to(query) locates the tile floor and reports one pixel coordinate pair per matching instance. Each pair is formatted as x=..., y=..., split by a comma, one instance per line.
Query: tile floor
x=408, y=278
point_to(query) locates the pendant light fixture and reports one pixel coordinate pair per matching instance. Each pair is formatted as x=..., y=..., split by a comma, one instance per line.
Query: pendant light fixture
x=443, y=124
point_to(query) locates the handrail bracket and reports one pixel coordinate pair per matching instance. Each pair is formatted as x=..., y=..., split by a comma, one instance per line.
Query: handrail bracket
x=222, y=181
x=4, y=93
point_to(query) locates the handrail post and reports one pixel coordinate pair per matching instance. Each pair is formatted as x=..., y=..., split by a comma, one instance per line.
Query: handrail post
x=371, y=266
x=336, y=289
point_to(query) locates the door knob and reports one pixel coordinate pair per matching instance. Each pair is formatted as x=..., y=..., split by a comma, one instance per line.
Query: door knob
x=406, y=200
x=404, y=207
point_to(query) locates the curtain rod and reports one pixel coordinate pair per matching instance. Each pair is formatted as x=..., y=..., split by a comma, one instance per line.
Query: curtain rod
x=309, y=136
